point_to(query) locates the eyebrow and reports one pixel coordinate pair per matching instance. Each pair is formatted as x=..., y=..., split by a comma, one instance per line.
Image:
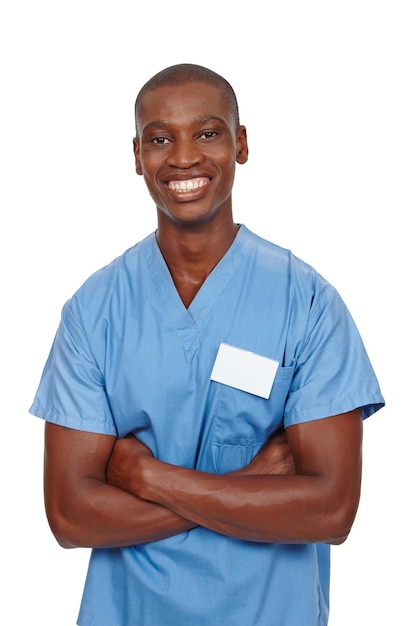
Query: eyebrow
x=210, y=118
x=203, y=119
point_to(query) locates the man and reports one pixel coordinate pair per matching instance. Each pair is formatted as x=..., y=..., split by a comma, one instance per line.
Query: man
x=172, y=377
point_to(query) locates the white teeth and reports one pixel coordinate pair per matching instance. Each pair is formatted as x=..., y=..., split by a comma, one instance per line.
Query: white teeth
x=187, y=185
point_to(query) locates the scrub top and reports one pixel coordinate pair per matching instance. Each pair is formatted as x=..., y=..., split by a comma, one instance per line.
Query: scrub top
x=129, y=357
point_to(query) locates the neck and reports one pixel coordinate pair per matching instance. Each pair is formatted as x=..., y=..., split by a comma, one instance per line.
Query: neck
x=191, y=254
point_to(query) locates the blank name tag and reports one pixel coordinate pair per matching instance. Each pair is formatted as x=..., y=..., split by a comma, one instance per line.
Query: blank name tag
x=244, y=370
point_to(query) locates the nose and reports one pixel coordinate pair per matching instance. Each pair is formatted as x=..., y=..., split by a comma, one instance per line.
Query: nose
x=184, y=153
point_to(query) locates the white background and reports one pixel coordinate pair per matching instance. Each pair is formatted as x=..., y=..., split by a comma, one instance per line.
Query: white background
x=327, y=91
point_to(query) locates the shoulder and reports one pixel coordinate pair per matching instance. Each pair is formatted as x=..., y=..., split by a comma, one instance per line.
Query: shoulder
x=120, y=267
x=281, y=264
x=110, y=285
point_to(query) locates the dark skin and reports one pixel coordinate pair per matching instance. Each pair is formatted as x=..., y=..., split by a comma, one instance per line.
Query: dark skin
x=195, y=228
x=303, y=486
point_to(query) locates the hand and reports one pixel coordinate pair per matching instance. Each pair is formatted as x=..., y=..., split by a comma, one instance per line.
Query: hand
x=122, y=468
x=274, y=458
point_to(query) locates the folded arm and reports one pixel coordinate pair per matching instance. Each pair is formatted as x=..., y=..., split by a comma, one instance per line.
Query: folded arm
x=90, y=496
x=316, y=503
x=142, y=499
x=83, y=510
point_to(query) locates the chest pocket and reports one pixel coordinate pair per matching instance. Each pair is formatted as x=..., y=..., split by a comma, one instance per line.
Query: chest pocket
x=244, y=422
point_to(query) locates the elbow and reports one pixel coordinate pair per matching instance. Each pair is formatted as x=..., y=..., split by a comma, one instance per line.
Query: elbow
x=63, y=529
x=62, y=537
x=338, y=535
x=64, y=543
x=339, y=531
x=337, y=541
x=340, y=522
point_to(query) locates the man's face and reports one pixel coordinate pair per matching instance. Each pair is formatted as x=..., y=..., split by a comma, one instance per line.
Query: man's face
x=187, y=149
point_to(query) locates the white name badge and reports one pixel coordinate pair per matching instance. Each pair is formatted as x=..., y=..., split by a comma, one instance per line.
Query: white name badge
x=244, y=370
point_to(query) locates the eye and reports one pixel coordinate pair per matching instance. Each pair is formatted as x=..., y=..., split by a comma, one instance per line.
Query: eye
x=208, y=134
x=160, y=141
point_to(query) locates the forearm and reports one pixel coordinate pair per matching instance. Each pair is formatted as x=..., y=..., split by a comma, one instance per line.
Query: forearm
x=83, y=509
x=104, y=516
x=267, y=508
x=301, y=491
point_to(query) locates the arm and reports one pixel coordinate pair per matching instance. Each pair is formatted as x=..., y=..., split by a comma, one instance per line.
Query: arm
x=122, y=469
x=317, y=503
x=82, y=509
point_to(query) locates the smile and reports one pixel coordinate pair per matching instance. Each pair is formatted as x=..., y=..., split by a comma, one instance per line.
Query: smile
x=187, y=185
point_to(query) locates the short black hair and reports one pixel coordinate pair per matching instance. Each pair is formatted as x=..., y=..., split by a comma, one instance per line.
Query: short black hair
x=183, y=74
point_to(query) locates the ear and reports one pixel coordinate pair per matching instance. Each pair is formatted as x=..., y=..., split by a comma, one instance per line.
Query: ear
x=136, y=151
x=242, y=150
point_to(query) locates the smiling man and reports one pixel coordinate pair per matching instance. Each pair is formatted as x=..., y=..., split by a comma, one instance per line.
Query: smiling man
x=188, y=142
x=203, y=398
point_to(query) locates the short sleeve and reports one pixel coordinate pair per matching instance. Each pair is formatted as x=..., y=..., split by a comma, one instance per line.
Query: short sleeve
x=333, y=373
x=71, y=392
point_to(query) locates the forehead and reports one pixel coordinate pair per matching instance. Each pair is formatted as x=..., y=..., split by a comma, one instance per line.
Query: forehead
x=183, y=104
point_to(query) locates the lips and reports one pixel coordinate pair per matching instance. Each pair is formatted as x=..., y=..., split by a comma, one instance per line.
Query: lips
x=184, y=186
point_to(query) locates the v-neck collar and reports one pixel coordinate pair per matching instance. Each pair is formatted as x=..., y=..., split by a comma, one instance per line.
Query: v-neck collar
x=187, y=321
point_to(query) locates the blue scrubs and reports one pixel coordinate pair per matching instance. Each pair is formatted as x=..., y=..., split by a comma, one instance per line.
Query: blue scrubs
x=129, y=357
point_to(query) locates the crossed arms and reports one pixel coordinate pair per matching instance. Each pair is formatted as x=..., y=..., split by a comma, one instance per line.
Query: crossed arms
x=301, y=487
